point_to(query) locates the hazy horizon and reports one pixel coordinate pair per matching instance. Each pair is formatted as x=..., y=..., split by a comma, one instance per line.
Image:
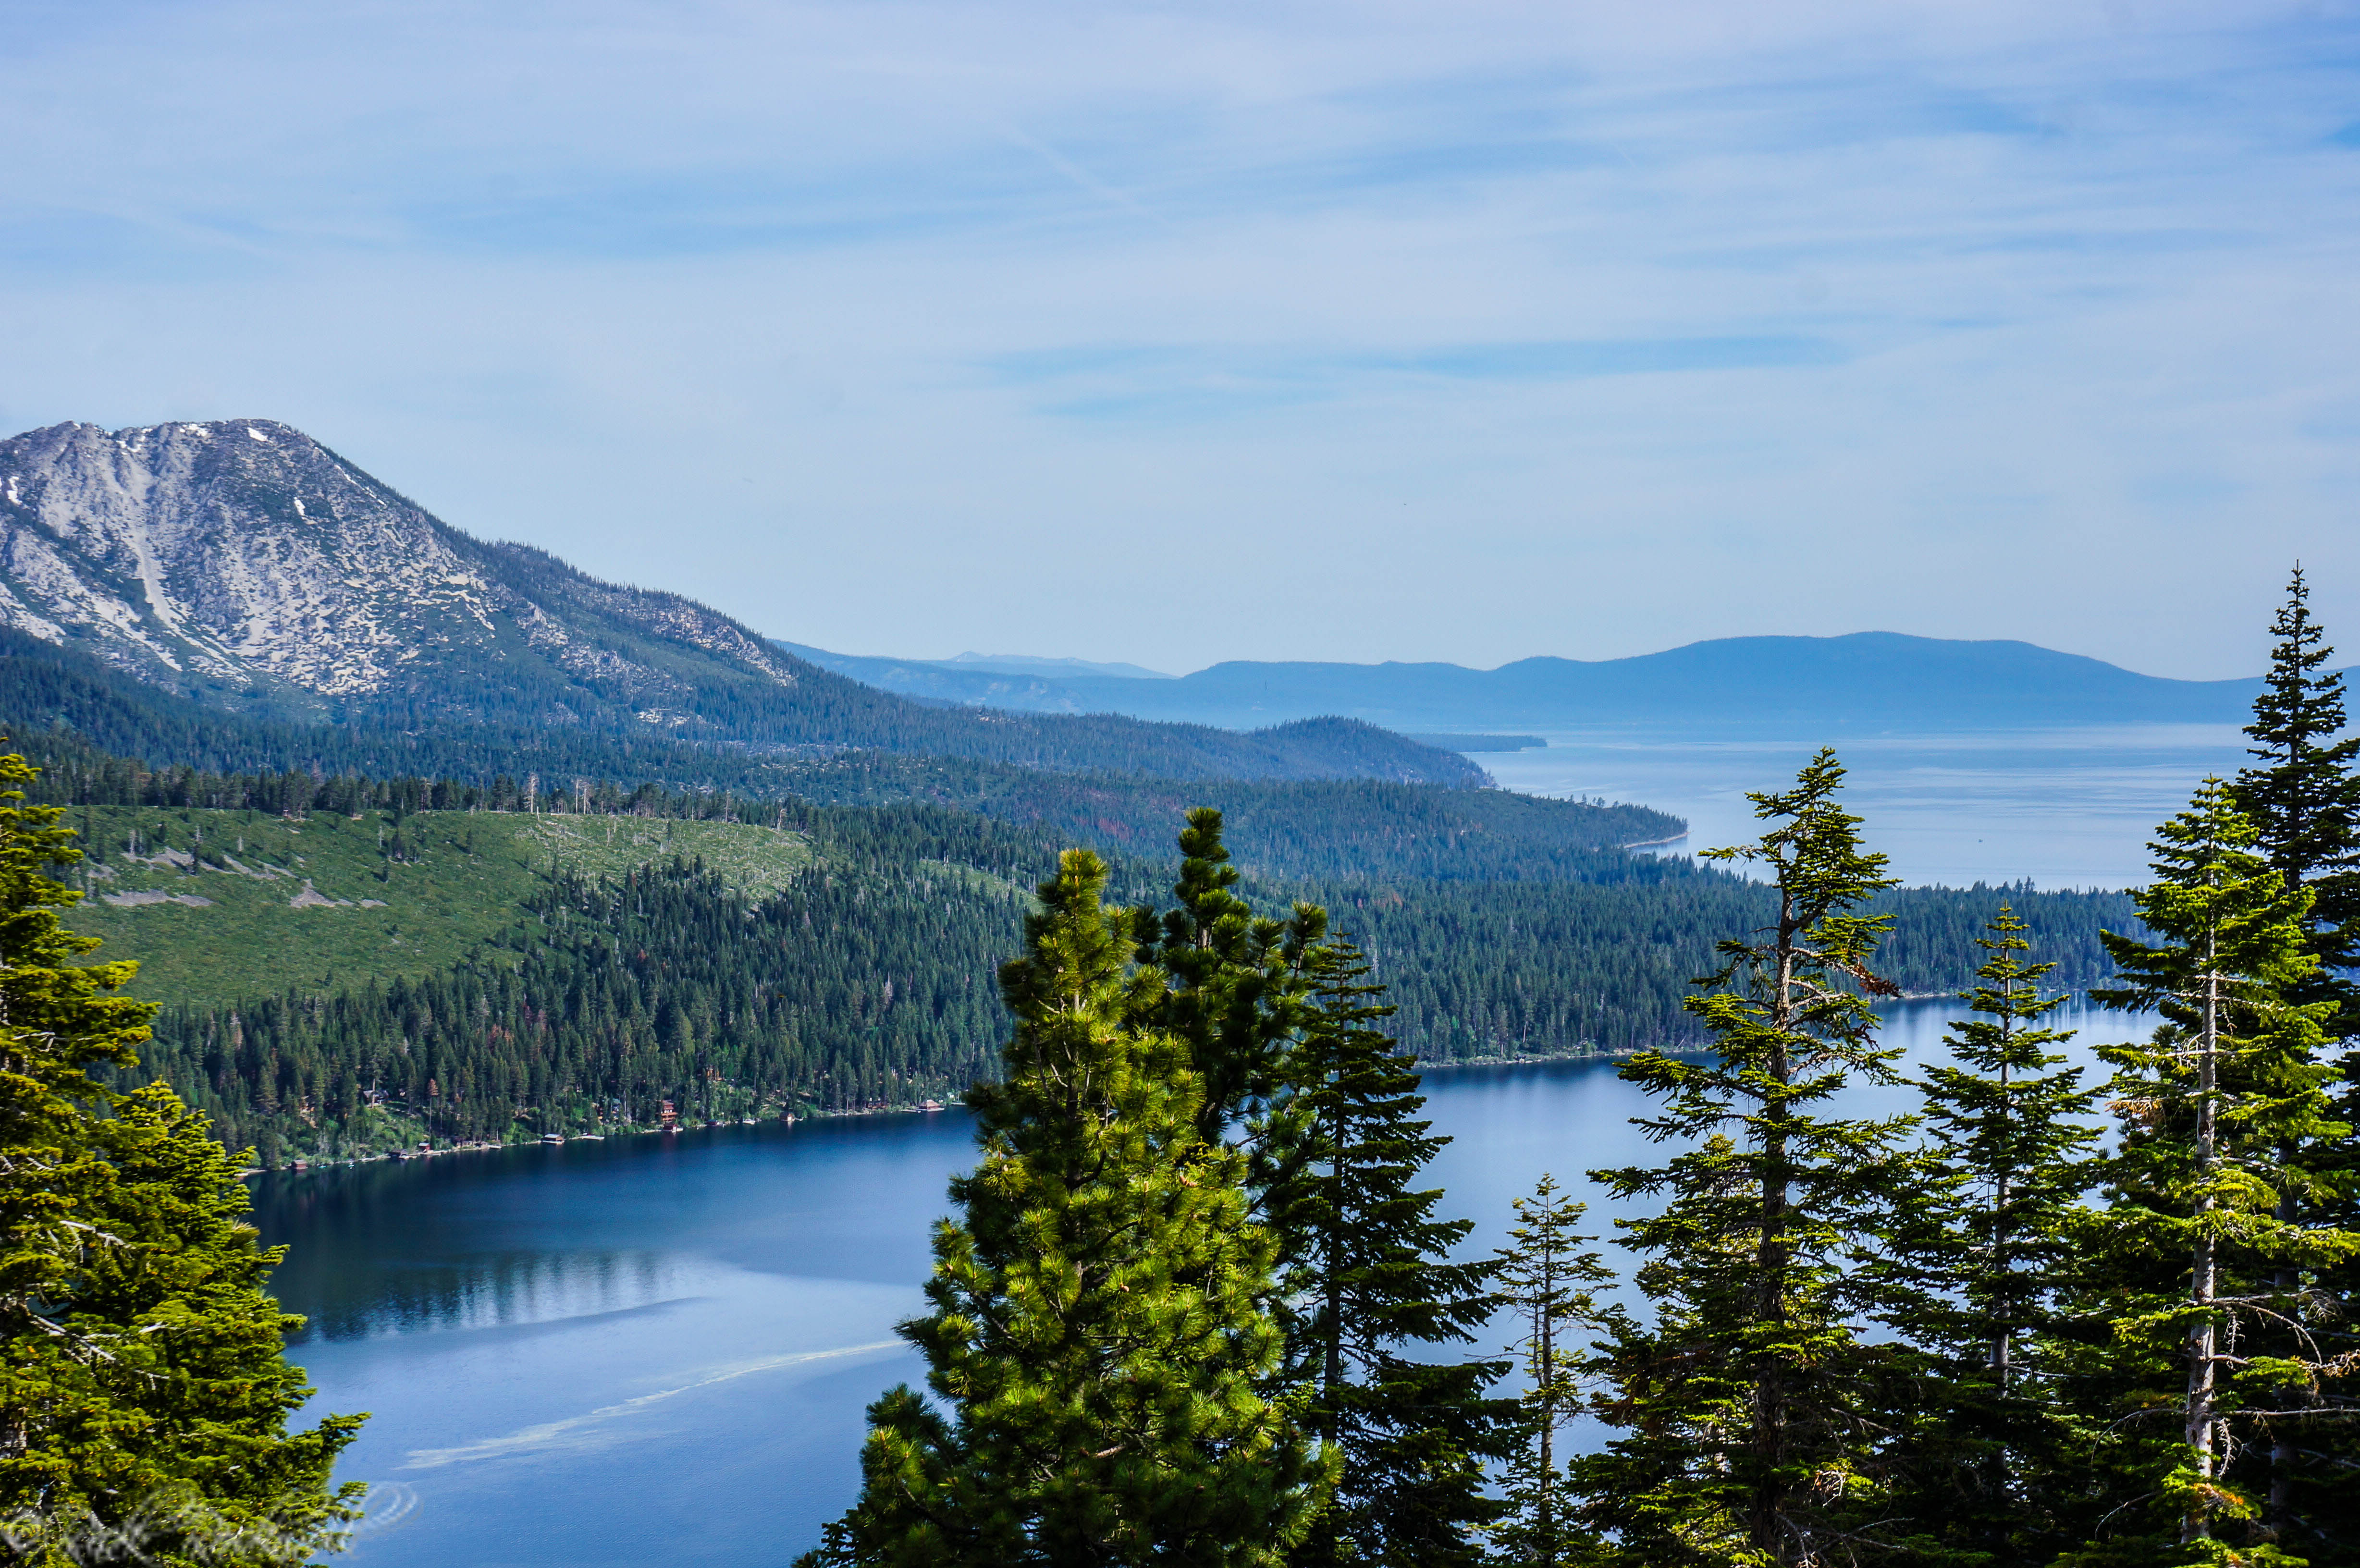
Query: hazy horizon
x=954, y=661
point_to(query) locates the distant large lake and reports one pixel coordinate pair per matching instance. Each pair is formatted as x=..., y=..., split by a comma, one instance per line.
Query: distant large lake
x=2066, y=808
x=659, y=1347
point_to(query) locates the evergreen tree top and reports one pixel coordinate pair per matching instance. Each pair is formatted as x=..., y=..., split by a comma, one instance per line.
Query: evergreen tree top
x=1788, y=1009
x=2228, y=916
x=40, y=967
x=2008, y=1000
x=1098, y=1332
x=143, y=1388
x=2298, y=706
x=2303, y=795
x=1814, y=856
x=1233, y=984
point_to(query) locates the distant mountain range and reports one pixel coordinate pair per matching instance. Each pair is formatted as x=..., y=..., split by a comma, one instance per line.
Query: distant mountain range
x=1025, y=664
x=240, y=565
x=1869, y=680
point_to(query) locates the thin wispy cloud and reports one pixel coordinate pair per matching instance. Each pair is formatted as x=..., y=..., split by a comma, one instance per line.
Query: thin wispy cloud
x=910, y=327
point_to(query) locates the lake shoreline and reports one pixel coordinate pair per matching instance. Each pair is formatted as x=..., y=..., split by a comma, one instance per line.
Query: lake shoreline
x=388, y=1157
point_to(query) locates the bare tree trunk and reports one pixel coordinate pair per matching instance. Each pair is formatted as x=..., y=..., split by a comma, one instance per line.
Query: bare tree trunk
x=1547, y=1326
x=1765, y=1527
x=2202, y=1417
x=2002, y=1296
x=1331, y=1371
x=2279, y=1511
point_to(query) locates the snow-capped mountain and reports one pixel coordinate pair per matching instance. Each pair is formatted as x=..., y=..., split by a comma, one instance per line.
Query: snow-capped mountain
x=242, y=557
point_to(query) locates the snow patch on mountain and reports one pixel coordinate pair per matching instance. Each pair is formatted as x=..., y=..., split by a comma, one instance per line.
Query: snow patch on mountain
x=268, y=563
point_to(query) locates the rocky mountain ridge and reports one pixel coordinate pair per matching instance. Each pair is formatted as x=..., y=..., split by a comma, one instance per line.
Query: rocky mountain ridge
x=243, y=565
x=241, y=554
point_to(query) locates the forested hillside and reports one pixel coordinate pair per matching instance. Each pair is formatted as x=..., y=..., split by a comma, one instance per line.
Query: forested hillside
x=353, y=962
x=1357, y=827
x=1486, y=970
x=834, y=958
x=219, y=905
x=849, y=990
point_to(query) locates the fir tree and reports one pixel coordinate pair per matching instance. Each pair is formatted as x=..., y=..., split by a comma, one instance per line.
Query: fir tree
x=1099, y=1325
x=1371, y=1287
x=2303, y=798
x=1237, y=990
x=1974, y=1257
x=144, y=1396
x=1549, y=1277
x=1747, y=1407
x=2199, y=1365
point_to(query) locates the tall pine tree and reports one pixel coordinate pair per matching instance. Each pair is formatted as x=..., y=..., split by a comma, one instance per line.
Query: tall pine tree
x=1979, y=1244
x=2303, y=798
x=2207, y=1287
x=1373, y=1294
x=1100, y=1328
x=1237, y=990
x=1747, y=1408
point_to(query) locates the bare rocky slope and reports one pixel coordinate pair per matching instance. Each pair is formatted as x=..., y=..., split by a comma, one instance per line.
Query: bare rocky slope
x=242, y=564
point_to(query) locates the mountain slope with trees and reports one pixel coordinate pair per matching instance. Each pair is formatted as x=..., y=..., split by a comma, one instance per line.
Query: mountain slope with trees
x=245, y=567
x=597, y=994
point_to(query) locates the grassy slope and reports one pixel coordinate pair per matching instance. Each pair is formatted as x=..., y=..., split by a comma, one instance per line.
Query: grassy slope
x=463, y=885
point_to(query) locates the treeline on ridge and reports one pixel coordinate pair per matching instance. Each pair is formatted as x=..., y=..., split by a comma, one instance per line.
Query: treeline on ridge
x=1326, y=828
x=864, y=985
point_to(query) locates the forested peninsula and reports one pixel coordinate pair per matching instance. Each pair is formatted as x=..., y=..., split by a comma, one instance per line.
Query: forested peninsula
x=475, y=963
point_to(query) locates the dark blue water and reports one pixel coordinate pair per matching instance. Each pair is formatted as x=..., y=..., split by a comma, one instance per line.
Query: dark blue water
x=661, y=1346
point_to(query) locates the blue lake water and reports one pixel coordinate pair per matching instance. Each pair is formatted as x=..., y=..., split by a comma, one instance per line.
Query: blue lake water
x=661, y=1346
x=2066, y=808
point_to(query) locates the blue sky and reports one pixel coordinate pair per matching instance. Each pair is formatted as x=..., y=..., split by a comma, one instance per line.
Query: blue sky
x=1168, y=333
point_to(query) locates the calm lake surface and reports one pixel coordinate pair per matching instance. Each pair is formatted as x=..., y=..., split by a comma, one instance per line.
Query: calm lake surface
x=661, y=1346
x=2066, y=808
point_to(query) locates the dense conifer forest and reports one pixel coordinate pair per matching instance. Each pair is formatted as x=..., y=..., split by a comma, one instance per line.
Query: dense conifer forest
x=865, y=985
x=1324, y=827
x=1508, y=928
x=864, y=982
